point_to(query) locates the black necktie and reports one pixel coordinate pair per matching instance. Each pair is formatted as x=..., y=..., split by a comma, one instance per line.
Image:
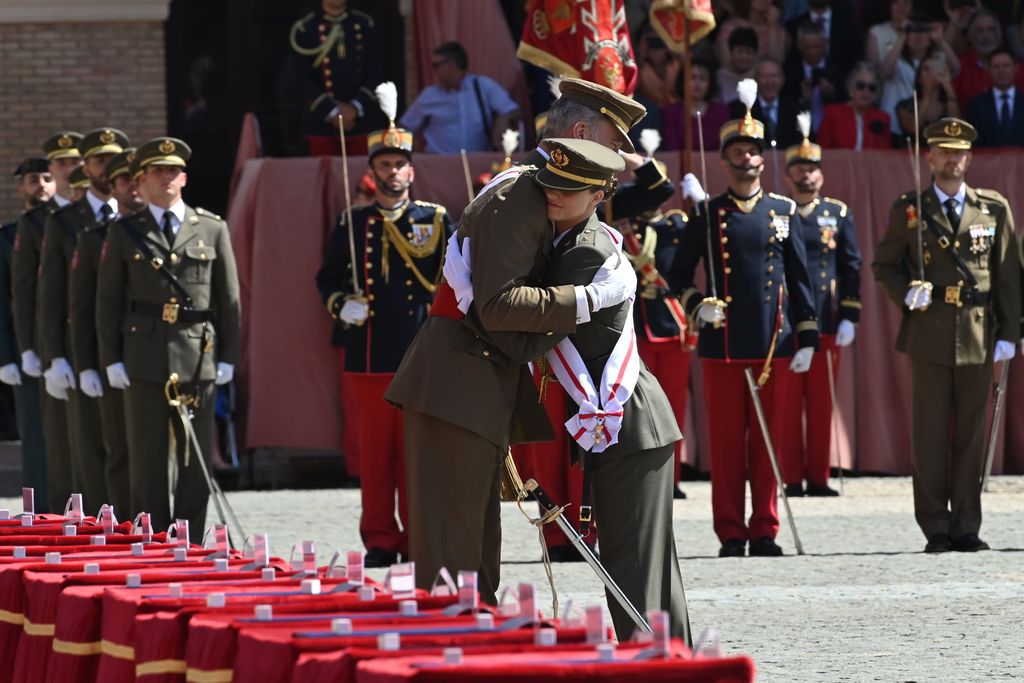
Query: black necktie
x=1004, y=111
x=168, y=228
x=951, y=214
x=105, y=213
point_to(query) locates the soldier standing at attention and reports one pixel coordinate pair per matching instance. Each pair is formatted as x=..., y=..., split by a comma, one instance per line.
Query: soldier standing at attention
x=83, y=341
x=833, y=260
x=62, y=151
x=961, y=312
x=399, y=252
x=167, y=301
x=762, y=318
x=35, y=188
x=63, y=227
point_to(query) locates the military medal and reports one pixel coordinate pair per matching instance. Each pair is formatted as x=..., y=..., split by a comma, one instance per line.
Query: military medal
x=781, y=226
x=911, y=216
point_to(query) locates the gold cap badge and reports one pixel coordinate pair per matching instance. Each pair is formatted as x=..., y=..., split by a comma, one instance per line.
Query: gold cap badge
x=166, y=147
x=558, y=158
x=107, y=136
x=64, y=141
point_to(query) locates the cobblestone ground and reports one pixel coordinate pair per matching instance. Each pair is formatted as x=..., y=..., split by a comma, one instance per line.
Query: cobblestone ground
x=864, y=603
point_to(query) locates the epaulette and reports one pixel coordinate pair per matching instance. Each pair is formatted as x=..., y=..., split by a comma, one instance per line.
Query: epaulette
x=420, y=202
x=671, y=213
x=990, y=195
x=843, y=209
x=209, y=214
x=787, y=200
x=366, y=17
x=908, y=196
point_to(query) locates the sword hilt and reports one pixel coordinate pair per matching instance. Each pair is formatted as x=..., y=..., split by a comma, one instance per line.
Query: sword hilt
x=539, y=494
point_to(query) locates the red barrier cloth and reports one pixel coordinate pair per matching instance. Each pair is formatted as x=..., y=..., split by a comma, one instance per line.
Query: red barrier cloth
x=40, y=545
x=284, y=208
x=9, y=534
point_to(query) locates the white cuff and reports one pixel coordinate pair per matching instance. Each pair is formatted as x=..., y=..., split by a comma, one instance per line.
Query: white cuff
x=582, y=305
x=333, y=114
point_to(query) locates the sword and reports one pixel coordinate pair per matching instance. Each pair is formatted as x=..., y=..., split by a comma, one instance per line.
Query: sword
x=465, y=172
x=548, y=506
x=348, y=213
x=775, y=167
x=183, y=404
x=1000, y=395
x=759, y=409
x=832, y=419
x=707, y=219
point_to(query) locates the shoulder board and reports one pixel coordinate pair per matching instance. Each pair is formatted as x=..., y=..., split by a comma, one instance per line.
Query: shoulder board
x=362, y=15
x=208, y=214
x=789, y=202
x=843, y=209
x=908, y=196
x=676, y=214
x=990, y=195
x=419, y=202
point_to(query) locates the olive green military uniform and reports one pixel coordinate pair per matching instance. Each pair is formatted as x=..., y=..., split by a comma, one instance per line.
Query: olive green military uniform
x=145, y=323
x=28, y=247
x=951, y=343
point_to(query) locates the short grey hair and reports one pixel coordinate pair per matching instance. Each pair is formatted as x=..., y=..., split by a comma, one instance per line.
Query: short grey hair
x=566, y=113
x=863, y=67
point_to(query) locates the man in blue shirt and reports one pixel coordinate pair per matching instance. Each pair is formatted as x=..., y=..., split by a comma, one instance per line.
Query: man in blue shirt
x=461, y=111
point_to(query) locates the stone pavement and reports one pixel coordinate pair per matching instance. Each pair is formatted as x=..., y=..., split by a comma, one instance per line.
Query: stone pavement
x=864, y=604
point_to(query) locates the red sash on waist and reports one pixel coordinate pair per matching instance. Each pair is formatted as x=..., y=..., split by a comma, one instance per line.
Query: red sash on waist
x=445, y=304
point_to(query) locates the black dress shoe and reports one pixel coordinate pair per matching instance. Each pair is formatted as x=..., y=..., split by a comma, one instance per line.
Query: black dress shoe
x=794, y=491
x=564, y=553
x=968, y=543
x=378, y=557
x=765, y=547
x=734, y=547
x=821, y=491
x=678, y=493
x=938, y=543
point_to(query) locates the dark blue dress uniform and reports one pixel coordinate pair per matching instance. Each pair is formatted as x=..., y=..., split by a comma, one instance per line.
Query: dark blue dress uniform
x=336, y=59
x=651, y=187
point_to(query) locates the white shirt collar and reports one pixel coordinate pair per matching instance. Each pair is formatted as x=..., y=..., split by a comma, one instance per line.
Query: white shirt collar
x=1011, y=91
x=95, y=203
x=177, y=210
x=61, y=200
x=960, y=195
x=825, y=16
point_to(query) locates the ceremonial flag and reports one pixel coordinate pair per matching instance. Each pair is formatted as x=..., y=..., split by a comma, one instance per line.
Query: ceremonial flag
x=670, y=18
x=586, y=39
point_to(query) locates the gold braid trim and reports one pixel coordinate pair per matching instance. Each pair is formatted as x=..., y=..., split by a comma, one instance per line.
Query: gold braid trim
x=646, y=255
x=161, y=666
x=212, y=676
x=766, y=371
x=320, y=52
x=65, y=647
x=407, y=251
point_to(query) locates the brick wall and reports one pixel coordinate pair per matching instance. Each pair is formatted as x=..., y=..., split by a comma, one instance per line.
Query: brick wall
x=77, y=76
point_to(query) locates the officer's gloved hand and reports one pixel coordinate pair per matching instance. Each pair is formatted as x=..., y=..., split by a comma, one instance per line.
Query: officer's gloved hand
x=354, y=312
x=9, y=374
x=691, y=188
x=92, y=385
x=30, y=364
x=919, y=296
x=613, y=283
x=845, y=333
x=1004, y=351
x=55, y=388
x=457, y=272
x=802, y=360
x=225, y=373
x=61, y=374
x=117, y=376
x=710, y=313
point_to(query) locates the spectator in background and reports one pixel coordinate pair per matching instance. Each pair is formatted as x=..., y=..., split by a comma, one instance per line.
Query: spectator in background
x=763, y=17
x=462, y=110
x=713, y=113
x=959, y=13
x=742, y=54
x=984, y=35
x=883, y=37
x=1015, y=39
x=919, y=38
x=998, y=113
x=935, y=97
x=813, y=79
x=858, y=124
x=776, y=111
x=659, y=71
x=844, y=39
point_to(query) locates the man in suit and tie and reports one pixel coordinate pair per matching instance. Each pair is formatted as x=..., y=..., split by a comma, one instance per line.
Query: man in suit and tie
x=813, y=75
x=776, y=111
x=844, y=38
x=998, y=113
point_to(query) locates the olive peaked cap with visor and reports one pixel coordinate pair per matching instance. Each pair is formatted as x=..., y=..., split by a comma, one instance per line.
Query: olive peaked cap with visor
x=576, y=165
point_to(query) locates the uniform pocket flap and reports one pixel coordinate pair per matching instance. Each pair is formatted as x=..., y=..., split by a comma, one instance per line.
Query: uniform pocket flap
x=201, y=253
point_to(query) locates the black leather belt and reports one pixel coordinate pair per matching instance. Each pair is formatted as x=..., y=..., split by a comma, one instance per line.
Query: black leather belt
x=172, y=313
x=961, y=295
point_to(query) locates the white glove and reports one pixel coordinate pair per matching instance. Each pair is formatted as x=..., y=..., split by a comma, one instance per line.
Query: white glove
x=55, y=388
x=9, y=374
x=612, y=284
x=225, y=373
x=919, y=297
x=118, y=376
x=354, y=312
x=709, y=313
x=61, y=374
x=1004, y=351
x=457, y=271
x=802, y=360
x=845, y=333
x=30, y=364
x=691, y=188
x=92, y=385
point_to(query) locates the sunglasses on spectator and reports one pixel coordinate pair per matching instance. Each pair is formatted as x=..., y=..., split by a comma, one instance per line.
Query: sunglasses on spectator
x=865, y=85
x=439, y=64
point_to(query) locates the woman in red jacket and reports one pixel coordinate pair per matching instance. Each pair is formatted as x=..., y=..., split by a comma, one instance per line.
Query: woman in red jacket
x=858, y=124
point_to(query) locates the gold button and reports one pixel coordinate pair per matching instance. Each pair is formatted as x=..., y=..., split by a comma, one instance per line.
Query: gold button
x=771, y=240
x=728, y=270
x=408, y=283
x=174, y=258
x=202, y=256
x=134, y=328
x=767, y=299
x=549, y=333
x=174, y=300
x=370, y=297
x=409, y=298
x=369, y=250
x=771, y=268
x=771, y=254
x=369, y=281
x=956, y=244
x=824, y=288
x=408, y=235
x=372, y=313
x=825, y=213
x=724, y=239
x=959, y=304
x=728, y=299
x=768, y=284
x=823, y=275
x=721, y=212
x=725, y=254
x=675, y=240
x=486, y=353
x=138, y=256
x=410, y=312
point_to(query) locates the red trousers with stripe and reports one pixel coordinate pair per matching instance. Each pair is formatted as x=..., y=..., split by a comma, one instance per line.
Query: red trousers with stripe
x=738, y=452
x=670, y=364
x=377, y=428
x=806, y=454
x=349, y=442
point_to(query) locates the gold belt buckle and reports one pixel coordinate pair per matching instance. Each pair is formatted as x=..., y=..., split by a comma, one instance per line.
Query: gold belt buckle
x=170, y=314
x=953, y=295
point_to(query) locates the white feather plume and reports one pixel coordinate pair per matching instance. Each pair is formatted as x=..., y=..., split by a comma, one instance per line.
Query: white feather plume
x=554, y=82
x=510, y=141
x=803, y=122
x=650, y=140
x=746, y=91
x=387, y=97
